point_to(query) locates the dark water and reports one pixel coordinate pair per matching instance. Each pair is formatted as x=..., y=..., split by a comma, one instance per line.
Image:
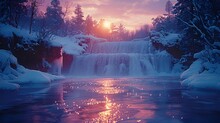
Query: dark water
x=109, y=100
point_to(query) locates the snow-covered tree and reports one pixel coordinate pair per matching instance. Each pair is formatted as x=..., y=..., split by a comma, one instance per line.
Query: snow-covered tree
x=54, y=16
x=11, y=11
x=165, y=23
x=169, y=7
x=199, y=18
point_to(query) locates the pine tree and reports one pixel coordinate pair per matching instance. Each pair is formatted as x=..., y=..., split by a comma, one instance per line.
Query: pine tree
x=78, y=20
x=88, y=25
x=114, y=32
x=121, y=31
x=54, y=15
x=169, y=7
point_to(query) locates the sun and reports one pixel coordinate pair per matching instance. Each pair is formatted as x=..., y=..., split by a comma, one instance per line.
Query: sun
x=107, y=24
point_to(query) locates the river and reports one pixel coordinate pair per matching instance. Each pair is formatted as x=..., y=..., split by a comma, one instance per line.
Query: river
x=110, y=100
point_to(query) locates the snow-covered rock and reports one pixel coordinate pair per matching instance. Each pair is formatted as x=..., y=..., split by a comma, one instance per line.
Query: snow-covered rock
x=12, y=74
x=204, y=72
x=195, y=68
x=7, y=31
x=33, y=76
x=75, y=45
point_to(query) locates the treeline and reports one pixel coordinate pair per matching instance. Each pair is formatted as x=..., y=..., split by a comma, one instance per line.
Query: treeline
x=198, y=23
x=55, y=21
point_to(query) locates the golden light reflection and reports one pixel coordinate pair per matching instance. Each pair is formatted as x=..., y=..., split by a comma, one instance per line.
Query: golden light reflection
x=110, y=114
x=106, y=107
x=107, y=87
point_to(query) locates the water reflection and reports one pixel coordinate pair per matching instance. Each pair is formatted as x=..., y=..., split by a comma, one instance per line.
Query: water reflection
x=106, y=106
x=117, y=100
x=108, y=86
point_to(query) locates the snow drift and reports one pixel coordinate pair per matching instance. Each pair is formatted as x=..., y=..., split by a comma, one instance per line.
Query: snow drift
x=12, y=74
x=204, y=72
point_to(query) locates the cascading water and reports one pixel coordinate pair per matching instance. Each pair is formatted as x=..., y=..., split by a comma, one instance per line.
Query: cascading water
x=133, y=58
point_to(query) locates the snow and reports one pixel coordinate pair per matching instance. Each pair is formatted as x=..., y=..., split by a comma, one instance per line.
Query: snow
x=177, y=68
x=7, y=31
x=12, y=74
x=33, y=76
x=167, y=39
x=69, y=45
x=195, y=68
x=204, y=72
x=204, y=80
x=8, y=86
x=75, y=45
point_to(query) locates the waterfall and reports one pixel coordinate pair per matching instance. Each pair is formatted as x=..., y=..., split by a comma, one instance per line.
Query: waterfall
x=131, y=58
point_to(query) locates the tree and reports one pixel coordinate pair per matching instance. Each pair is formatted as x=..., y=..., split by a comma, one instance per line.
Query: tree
x=3, y=10
x=54, y=16
x=114, y=31
x=66, y=10
x=78, y=20
x=34, y=6
x=198, y=19
x=11, y=11
x=142, y=32
x=169, y=7
x=165, y=23
x=121, y=32
x=89, y=25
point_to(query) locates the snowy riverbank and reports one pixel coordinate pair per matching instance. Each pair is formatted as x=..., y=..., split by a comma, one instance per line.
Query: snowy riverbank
x=204, y=72
x=12, y=74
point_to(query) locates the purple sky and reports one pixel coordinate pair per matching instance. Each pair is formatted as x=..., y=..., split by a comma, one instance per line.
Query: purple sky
x=132, y=13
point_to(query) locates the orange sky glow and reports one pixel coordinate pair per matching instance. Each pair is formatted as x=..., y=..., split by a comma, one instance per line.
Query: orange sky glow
x=131, y=13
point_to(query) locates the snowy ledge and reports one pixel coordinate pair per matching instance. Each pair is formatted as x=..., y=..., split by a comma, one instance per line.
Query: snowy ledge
x=75, y=45
x=72, y=45
x=12, y=74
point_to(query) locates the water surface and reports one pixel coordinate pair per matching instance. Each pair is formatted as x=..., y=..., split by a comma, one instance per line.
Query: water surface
x=109, y=100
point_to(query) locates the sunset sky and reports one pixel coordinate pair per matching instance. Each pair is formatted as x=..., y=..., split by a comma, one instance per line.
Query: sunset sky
x=131, y=13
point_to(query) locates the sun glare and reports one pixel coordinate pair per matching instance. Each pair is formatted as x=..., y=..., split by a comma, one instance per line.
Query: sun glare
x=107, y=24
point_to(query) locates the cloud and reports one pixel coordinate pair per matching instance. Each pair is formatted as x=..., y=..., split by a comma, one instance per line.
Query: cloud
x=132, y=13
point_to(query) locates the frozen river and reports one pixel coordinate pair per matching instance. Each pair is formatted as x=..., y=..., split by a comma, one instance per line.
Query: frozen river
x=109, y=100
